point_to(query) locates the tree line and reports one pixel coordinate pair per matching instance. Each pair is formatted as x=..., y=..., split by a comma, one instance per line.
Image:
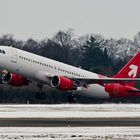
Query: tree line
x=91, y=52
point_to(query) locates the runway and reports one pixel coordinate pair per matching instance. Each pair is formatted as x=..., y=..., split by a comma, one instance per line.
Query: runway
x=71, y=122
x=69, y=115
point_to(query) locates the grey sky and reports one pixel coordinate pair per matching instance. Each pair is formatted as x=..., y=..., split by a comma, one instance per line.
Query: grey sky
x=42, y=18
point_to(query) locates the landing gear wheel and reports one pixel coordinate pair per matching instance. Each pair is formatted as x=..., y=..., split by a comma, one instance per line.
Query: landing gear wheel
x=40, y=95
x=72, y=99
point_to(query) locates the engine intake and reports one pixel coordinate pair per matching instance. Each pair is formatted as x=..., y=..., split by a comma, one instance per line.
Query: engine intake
x=14, y=79
x=63, y=83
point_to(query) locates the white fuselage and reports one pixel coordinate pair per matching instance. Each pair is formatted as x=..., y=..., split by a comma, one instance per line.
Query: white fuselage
x=39, y=68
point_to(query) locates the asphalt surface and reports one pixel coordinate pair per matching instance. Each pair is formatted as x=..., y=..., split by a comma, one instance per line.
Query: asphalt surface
x=68, y=122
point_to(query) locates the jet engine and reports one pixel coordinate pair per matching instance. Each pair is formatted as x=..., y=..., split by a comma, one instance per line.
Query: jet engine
x=13, y=79
x=63, y=83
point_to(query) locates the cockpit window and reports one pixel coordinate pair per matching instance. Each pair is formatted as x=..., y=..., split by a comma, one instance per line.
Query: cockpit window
x=2, y=51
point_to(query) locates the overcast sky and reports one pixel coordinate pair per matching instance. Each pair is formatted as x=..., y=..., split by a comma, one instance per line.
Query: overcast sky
x=42, y=18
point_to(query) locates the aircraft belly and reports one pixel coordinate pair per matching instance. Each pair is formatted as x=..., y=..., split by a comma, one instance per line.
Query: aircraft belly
x=42, y=77
x=94, y=90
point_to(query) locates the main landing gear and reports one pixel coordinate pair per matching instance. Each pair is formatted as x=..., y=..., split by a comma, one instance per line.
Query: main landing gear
x=40, y=94
x=72, y=98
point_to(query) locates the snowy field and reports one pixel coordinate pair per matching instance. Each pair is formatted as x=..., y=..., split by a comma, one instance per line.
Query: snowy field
x=70, y=111
x=70, y=133
x=67, y=133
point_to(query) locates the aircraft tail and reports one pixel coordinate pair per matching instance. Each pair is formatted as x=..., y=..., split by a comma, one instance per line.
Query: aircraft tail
x=130, y=70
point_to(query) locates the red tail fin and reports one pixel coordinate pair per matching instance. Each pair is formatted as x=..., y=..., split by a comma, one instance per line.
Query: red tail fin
x=130, y=70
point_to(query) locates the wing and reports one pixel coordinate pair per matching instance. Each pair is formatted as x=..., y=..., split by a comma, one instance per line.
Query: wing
x=102, y=81
x=106, y=80
x=42, y=75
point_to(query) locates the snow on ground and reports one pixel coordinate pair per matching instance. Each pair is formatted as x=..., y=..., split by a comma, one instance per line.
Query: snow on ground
x=68, y=133
x=70, y=111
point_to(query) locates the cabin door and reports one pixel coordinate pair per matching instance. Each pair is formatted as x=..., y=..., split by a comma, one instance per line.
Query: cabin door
x=14, y=59
x=14, y=55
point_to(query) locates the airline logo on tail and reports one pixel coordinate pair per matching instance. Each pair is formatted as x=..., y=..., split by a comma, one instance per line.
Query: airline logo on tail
x=130, y=70
x=133, y=71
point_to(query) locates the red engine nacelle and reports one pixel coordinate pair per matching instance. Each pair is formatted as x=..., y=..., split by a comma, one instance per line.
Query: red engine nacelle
x=63, y=83
x=118, y=90
x=14, y=79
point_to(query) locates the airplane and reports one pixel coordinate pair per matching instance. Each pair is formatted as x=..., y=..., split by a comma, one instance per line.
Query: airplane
x=20, y=67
